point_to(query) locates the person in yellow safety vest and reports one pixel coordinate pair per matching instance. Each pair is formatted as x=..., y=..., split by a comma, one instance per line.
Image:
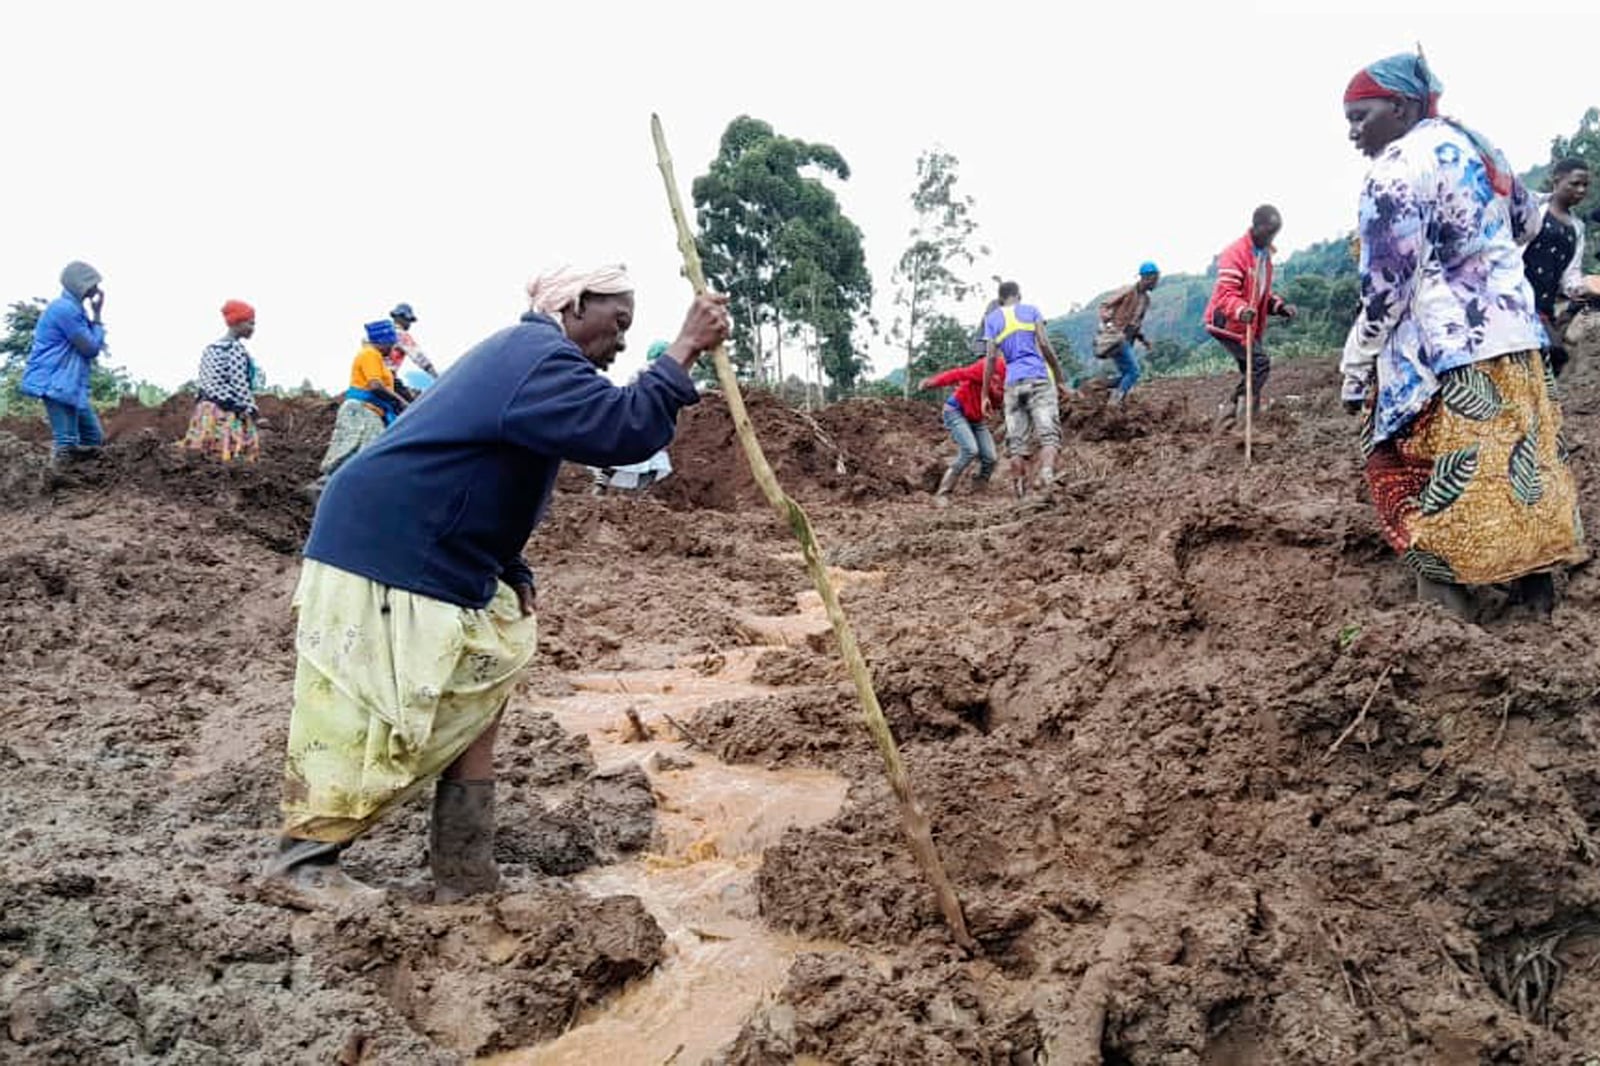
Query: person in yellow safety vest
x=1033, y=383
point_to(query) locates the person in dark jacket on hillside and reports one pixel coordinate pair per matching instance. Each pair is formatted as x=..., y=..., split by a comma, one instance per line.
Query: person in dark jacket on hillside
x=1241, y=302
x=414, y=626
x=68, y=338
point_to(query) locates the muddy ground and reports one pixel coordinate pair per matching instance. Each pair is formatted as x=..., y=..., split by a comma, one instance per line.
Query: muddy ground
x=1127, y=708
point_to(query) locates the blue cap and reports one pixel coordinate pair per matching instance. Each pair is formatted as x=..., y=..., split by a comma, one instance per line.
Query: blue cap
x=1147, y=267
x=382, y=332
x=403, y=311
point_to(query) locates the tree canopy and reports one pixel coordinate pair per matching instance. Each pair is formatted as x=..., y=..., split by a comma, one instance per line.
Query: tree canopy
x=773, y=237
x=930, y=274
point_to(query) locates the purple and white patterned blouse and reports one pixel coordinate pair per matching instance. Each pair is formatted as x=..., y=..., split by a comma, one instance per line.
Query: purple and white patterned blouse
x=1442, y=282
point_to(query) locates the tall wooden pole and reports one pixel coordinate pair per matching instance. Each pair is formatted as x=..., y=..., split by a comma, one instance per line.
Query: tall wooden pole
x=913, y=819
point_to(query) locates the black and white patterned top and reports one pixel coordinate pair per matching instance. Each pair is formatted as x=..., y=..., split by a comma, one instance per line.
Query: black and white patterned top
x=226, y=373
x=1554, y=260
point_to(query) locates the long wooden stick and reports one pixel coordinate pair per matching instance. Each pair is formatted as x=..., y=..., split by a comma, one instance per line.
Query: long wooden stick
x=914, y=819
x=1249, y=390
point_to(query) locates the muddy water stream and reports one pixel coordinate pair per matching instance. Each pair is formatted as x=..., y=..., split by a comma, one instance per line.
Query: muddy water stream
x=713, y=821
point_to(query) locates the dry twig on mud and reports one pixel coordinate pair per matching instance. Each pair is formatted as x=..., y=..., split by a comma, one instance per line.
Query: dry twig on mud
x=1345, y=964
x=1361, y=717
x=919, y=833
x=1528, y=977
x=826, y=441
x=689, y=737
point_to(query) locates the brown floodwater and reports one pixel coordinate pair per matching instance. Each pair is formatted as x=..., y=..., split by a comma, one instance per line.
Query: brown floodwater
x=713, y=821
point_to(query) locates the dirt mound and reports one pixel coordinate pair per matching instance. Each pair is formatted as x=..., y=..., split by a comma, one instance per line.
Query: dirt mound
x=1213, y=789
x=861, y=450
x=263, y=500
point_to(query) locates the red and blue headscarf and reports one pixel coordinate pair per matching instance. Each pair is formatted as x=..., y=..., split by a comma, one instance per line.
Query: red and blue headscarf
x=1404, y=76
x=1408, y=77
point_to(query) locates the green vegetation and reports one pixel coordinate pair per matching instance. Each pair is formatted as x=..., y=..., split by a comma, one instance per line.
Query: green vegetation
x=929, y=272
x=1320, y=281
x=773, y=238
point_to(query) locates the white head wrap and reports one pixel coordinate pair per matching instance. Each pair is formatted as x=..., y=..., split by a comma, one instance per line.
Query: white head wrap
x=554, y=290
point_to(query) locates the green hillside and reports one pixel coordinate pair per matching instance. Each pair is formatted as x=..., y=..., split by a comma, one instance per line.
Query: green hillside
x=1319, y=280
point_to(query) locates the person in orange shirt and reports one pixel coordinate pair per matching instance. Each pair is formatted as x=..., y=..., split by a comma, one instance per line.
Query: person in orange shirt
x=370, y=403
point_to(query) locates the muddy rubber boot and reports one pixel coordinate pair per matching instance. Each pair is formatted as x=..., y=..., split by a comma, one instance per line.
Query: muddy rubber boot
x=1456, y=599
x=1228, y=415
x=461, y=840
x=309, y=870
x=941, y=496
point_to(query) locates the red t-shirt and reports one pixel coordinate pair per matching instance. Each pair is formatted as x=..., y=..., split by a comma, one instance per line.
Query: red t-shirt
x=968, y=381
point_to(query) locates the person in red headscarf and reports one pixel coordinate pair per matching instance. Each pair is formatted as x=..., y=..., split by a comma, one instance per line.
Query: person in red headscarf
x=224, y=421
x=1465, y=460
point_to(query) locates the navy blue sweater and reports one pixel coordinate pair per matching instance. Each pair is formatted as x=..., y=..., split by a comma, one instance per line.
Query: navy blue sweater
x=443, y=503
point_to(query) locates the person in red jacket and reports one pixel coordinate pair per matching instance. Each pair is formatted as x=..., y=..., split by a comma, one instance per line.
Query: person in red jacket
x=963, y=417
x=1241, y=301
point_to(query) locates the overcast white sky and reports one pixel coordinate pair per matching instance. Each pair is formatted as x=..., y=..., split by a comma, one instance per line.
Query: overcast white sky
x=324, y=160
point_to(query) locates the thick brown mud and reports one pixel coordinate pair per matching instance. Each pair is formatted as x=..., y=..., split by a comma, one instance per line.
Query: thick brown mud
x=1212, y=788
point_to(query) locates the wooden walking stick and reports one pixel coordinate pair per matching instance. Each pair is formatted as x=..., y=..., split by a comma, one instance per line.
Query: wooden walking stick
x=1249, y=388
x=1250, y=370
x=913, y=818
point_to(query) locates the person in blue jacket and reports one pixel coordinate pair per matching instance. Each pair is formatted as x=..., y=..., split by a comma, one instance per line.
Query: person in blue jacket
x=415, y=604
x=66, y=341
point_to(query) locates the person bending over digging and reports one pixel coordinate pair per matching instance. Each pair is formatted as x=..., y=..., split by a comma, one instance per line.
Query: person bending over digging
x=411, y=635
x=963, y=417
x=1462, y=432
x=1033, y=380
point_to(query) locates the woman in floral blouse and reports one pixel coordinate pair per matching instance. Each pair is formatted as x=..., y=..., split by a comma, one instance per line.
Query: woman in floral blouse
x=1465, y=460
x=224, y=419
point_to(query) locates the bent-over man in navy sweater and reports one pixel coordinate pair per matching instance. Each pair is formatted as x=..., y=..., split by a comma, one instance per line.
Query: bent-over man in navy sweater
x=415, y=605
